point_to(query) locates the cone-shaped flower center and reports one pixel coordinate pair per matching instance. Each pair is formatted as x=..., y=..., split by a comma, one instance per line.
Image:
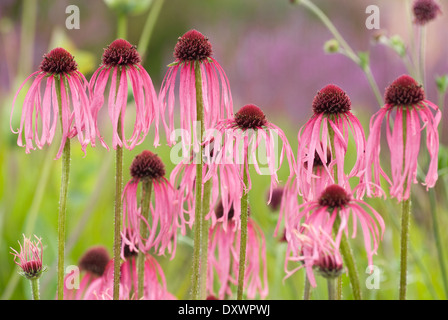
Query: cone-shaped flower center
x=425, y=11
x=95, y=261
x=121, y=52
x=404, y=91
x=147, y=165
x=250, y=117
x=32, y=269
x=334, y=196
x=331, y=100
x=58, y=61
x=329, y=267
x=192, y=46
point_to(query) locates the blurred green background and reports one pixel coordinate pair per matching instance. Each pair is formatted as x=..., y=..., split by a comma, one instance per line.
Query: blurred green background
x=272, y=52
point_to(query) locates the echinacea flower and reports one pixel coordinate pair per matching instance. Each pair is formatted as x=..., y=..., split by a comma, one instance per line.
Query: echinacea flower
x=425, y=11
x=406, y=99
x=327, y=131
x=223, y=257
x=59, y=75
x=335, y=203
x=92, y=265
x=315, y=250
x=29, y=258
x=121, y=63
x=162, y=221
x=226, y=185
x=192, y=49
x=249, y=128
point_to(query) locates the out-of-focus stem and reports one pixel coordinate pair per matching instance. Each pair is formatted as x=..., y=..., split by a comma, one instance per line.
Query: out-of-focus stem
x=35, y=289
x=148, y=28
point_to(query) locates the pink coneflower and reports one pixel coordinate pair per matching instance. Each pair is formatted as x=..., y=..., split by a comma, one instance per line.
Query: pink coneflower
x=315, y=250
x=59, y=73
x=193, y=48
x=336, y=203
x=92, y=266
x=425, y=11
x=223, y=257
x=328, y=131
x=406, y=99
x=155, y=282
x=29, y=258
x=162, y=221
x=250, y=127
x=121, y=63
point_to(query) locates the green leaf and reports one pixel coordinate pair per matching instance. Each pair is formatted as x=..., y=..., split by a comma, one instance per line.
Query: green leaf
x=442, y=83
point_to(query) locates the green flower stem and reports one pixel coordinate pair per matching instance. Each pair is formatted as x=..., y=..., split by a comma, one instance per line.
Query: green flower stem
x=65, y=174
x=405, y=215
x=122, y=25
x=35, y=289
x=204, y=235
x=332, y=288
x=348, y=51
x=196, y=278
x=144, y=232
x=118, y=212
x=148, y=28
x=243, y=237
x=307, y=289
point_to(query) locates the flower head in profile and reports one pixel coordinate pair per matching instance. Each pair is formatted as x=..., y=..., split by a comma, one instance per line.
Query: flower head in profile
x=335, y=203
x=405, y=99
x=29, y=258
x=316, y=251
x=193, y=50
x=425, y=11
x=223, y=257
x=242, y=137
x=57, y=78
x=326, y=136
x=121, y=63
x=162, y=222
x=92, y=265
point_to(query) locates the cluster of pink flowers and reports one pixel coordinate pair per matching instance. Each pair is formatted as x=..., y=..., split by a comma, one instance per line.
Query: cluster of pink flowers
x=313, y=229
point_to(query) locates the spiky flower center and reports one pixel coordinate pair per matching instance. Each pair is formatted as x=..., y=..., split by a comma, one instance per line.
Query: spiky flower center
x=32, y=269
x=250, y=117
x=147, y=165
x=331, y=100
x=334, y=196
x=425, y=11
x=95, y=261
x=328, y=267
x=121, y=53
x=193, y=45
x=58, y=61
x=404, y=91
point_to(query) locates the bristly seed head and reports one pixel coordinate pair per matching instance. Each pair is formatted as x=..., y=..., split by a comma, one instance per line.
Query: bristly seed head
x=331, y=100
x=122, y=53
x=58, y=61
x=404, y=91
x=334, y=196
x=193, y=45
x=95, y=261
x=425, y=11
x=250, y=117
x=147, y=165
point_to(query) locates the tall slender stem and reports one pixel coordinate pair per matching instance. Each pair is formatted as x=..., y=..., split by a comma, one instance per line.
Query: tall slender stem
x=118, y=204
x=65, y=174
x=332, y=288
x=204, y=235
x=405, y=218
x=421, y=55
x=145, y=210
x=122, y=25
x=243, y=237
x=197, y=268
x=307, y=289
x=35, y=289
x=148, y=28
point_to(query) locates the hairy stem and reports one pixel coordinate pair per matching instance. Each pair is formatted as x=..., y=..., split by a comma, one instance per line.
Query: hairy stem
x=35, y=289
x=144, y=232
x=204, y=235
x=65, y=174
x=332, y=288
